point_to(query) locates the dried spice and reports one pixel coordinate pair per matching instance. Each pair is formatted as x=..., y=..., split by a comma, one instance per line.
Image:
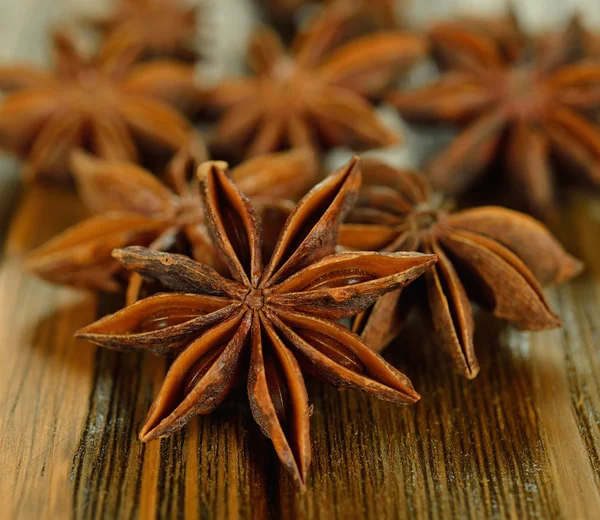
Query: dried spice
x=312, y=96
x=133, y=207
x=262, y=325
x=527, y=108
x=491, y=255
x=165, y=28
x=103, y=104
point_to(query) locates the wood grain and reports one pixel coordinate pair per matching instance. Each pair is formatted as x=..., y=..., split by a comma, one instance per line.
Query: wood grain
x=520, y=441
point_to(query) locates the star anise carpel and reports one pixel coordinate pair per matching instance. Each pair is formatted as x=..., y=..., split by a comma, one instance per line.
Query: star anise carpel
x=312, y=95
x=491, y=255
x=133, y=207
x=264, y=323
x=105, y=104
x=510, y=101
x=164, y=28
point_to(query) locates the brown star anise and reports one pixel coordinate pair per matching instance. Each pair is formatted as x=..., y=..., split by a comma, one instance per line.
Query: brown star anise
x=165, y=28
x=133, y=207
x=491, y=255
x=527, y=108
x=303, y=99
x=262, y=324
x=98, y=103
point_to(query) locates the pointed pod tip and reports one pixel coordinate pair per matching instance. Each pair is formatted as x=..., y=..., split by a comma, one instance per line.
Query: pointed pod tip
x=79, y=159
x=80, y=334
x=118, y=253
x=298, y=476
x=412, y=396
x=572, y=268
x=424, y=260
x=148, y=432
x=431, y=259
x=144, y=435
x=471, y=370
x=393, y=139
x=87, y=334
x=556, y=323
x=354, y=162
x=207, y=167
x=123, y=253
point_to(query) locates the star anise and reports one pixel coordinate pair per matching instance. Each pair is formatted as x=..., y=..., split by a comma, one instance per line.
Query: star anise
x=165, y=28
x=306, y=98
x=100, y=104
x=133, y=207
x=262, y=325
x=526, y=108
x=491, y=255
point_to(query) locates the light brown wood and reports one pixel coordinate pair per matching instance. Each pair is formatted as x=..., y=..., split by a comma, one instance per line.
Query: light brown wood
x=522, y=440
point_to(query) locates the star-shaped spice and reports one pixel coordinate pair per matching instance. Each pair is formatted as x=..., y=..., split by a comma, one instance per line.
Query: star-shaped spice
x=525, y=109
x=491, y=255
x=104, y=104
x=133, y=207
x=264, y=324
x=165, y=28
x=311, y=96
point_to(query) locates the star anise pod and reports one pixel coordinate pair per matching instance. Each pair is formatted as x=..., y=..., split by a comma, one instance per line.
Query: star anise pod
x=165, y=28
x=491, y=255
x=133, y=207
x=526, y=109
x=104, y=104
x=263, y=324
x=310, y=96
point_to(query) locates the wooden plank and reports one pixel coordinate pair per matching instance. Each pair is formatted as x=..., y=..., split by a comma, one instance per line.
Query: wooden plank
x=521, y=441
x=46, y=374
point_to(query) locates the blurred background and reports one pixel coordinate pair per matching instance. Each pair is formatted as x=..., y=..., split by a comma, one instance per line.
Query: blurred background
x=225, y=25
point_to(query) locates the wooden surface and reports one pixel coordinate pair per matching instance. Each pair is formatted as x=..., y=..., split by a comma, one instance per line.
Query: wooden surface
x=522, y=440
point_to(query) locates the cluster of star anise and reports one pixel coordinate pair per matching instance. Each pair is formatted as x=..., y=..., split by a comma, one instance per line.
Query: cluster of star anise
x=244, y=276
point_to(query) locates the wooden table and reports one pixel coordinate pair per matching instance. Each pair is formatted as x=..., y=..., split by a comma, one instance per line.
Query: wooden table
x=522, y=440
